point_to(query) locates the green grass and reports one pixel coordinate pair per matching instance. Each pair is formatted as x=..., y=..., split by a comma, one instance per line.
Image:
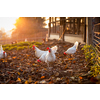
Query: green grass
x=20, y=45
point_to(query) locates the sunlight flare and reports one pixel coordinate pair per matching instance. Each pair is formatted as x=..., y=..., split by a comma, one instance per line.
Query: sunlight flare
x=7, y=24
x=46, y=21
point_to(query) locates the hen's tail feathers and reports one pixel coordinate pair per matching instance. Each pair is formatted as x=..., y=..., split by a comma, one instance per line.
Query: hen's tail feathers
x=54, y=49
x=76, y=44
x=1, y=49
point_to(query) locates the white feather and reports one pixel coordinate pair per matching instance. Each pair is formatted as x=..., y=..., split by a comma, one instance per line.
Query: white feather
x=38, y=52
x=43, y=57
x=54, y=49
x=76, y=43
x=1, y=53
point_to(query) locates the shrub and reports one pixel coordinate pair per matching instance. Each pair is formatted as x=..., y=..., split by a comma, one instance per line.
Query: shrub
x=5, y=48
x=93, y=57
x=20, y=45
x=6, y=45
x=37, y=43
x=20, y=48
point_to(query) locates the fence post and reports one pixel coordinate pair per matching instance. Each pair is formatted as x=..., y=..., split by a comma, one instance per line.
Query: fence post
x=49, y=24
x=73, y=26
x=63, y=23
x=90, y=30
x=55, y=24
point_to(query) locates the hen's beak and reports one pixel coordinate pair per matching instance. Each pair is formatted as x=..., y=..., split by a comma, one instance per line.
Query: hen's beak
x=49, y=49
x=33, y=47
x=65, y=53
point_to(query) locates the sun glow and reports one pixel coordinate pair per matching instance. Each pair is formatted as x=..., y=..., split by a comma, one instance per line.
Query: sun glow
x=7, y=24
x=46, y=22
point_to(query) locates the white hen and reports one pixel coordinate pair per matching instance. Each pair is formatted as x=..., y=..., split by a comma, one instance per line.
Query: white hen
x=38, y=52
x=3, y=54
x=48, y=57
x=72, y=50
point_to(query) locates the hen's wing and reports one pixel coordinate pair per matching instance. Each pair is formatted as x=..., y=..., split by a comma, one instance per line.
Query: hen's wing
x=71, y=50
x=43, y=57
x=54, y=49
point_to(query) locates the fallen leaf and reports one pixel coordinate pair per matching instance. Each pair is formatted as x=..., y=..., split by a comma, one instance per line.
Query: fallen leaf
x=74, y=62
x=42, y=76
x=45, y=68
x=21, y=59
x=37, y=70
x=56, y=74
x=36, y=82
x=43, y=81
x=11, y=82
x=8, y=72
x=27, y=55
x=18, y=80
x=1, y=59
x=18, y=73
x=65, y=67
x=21, y=70
x=70, y=61
x=80, y=77
x=32, y=69
x=58, y=79
x=35, y=65
x=4, y=60
x=29, y=80
x=26, y=82
x=28, y=63
x=70, y=58
x=14, y=57
x=50, y=82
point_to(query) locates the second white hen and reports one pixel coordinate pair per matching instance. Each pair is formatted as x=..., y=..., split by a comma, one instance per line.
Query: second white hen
x=72, y=50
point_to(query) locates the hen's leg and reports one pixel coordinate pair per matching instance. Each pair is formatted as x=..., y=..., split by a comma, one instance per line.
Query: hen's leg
x=72, y=55
x=71, y=59
x=48, y=64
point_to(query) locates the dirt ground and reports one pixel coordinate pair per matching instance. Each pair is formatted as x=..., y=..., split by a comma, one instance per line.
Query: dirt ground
x=21, y=67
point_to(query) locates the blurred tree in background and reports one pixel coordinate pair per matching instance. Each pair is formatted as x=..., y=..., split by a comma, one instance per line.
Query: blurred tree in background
x=28, y=27
x=3, y=35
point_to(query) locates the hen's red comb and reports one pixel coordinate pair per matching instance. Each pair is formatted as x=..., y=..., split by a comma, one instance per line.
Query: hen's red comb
x=4, y=52
x=33, y=45
x=39, y=60
x=47, y=47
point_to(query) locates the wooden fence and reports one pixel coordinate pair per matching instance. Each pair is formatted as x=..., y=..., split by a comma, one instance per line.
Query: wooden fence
x=9, y=41
x=96, y=32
